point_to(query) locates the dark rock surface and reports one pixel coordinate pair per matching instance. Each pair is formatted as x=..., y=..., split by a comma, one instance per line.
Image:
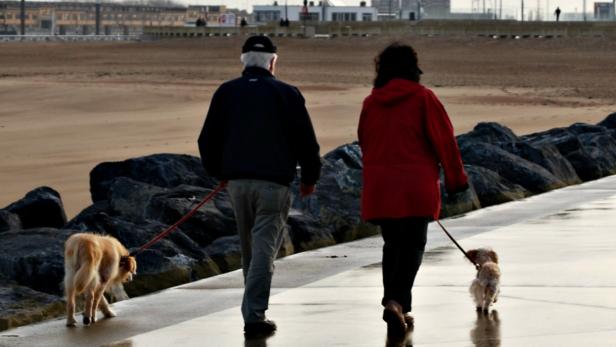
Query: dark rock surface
x=491, y=188
x=34, y=258
x=131, y=199
x=308, y=233
x=531, y=176
x=205, y=226
x=21, y=305
x=544, y=155
x=157, y=270
x=162, y=170
x=459, y=203
x=489, y=132
x=9, y=221
x=609, y=121
x=226, y=252
x=336, y=202
x=350, y=154
x=591, y=150
x=41, y=207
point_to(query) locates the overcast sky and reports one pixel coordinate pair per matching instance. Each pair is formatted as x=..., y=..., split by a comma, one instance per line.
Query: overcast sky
x=511, y=7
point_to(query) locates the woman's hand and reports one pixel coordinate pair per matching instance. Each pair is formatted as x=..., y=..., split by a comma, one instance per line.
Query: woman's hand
x=305, y=190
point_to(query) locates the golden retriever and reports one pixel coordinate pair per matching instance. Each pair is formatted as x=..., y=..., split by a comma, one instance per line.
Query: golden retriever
x=486, y=285
x=94, y=264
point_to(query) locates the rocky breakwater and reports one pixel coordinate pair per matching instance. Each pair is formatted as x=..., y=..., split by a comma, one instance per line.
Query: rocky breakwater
x=134, y=200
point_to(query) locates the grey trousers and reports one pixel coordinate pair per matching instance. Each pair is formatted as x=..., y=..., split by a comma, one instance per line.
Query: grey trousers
x=261, y=209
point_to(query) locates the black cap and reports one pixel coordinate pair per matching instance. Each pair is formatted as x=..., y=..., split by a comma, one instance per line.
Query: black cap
x=259, y=44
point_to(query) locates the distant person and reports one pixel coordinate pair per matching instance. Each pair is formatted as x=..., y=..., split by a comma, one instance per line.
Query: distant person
x=256, y=132
x=406, y=138
x=243, y=22
x=201, y=22
x=557, y=13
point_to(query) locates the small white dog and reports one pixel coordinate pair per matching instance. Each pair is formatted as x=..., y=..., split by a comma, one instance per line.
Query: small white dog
x=486, y=285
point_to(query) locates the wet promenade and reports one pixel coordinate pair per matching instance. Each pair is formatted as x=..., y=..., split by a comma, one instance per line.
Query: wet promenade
x=558, y=259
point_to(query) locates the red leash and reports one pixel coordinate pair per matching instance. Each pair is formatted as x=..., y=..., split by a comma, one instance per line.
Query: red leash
x=457, y=244
x=168, y=231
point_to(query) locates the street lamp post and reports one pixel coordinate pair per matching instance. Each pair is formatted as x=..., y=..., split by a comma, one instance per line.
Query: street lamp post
x=22, y=17
x=418, y=9
x=304, y=15
x=3, y=7
x=98, y=17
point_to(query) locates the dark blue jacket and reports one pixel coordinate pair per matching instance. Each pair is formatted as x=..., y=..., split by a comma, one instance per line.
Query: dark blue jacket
x=258, y=128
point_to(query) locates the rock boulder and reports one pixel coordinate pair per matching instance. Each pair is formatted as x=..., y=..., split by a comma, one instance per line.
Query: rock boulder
x=34, y=258
x=491, y=188
x=531, y=176
x=609, y=121
x=21, y=305
x=162, y=170
x=41, y=207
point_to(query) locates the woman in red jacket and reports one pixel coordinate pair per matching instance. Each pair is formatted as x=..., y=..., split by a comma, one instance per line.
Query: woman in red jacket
x=406, y=137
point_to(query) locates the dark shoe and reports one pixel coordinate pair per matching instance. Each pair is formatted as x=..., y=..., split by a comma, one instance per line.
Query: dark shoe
x=392, y=314
x=260, y=329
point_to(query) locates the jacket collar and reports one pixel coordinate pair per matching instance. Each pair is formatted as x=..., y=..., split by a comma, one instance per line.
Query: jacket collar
x=256, y=71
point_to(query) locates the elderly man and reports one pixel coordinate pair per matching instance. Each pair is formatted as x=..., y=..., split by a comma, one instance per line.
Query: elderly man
x=256, y=132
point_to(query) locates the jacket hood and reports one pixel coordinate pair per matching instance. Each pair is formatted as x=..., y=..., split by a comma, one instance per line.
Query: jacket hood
x=394, y=91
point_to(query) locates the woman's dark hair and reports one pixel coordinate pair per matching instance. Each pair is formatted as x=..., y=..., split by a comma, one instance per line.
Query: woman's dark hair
x=396, y=61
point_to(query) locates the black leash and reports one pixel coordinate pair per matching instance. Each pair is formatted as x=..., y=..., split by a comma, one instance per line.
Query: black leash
x=457, y=244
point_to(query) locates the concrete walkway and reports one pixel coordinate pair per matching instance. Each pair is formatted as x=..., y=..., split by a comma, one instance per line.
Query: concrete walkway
x=558, y=258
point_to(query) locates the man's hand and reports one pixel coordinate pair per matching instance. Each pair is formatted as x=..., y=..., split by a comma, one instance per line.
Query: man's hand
x=305, y=190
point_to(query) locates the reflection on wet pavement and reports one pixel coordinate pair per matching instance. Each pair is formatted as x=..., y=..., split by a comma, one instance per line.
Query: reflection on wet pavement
x=126, y=343
x=256, y=342
x=486, y=332
x=405, y=340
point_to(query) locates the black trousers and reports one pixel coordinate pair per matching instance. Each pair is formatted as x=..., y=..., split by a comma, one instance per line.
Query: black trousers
x=405, y=242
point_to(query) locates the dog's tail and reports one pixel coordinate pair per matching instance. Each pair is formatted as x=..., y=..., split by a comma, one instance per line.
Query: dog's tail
x=85, y=261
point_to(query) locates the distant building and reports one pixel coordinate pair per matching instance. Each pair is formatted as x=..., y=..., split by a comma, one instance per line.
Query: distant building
x=604, y=11
x=315, y=12
x=215, y=15
x=384, y=7
x=64, y=18
x=471, y=15
x=575, y=16
x=412, y=9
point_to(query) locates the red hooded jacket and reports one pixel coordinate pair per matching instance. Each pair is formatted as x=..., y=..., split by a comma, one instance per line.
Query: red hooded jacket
x=405, y=133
